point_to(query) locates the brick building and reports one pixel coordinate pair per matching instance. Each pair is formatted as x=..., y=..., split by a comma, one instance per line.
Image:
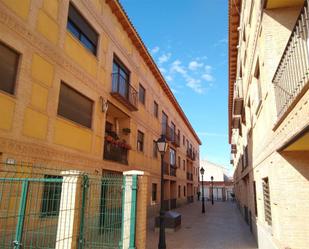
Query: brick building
x=78, y=88
x=269, y=118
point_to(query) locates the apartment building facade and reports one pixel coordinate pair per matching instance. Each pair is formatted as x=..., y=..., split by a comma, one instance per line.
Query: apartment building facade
x=269, y=118
x=78, y=88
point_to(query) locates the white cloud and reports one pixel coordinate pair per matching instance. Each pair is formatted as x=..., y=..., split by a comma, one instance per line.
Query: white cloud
x=208, y=68
x=207, y=77
x=155, y=50
x=194, y=84
x=211, y=134
x=162, y=70
x=164, y=58
x=222, y=41
x=194, y=65
x=169, y=78
x=178, y=68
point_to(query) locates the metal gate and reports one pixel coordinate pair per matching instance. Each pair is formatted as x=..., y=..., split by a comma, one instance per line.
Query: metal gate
x=38, y=205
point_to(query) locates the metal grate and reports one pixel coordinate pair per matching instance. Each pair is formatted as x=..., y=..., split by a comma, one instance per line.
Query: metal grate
x=267, y=207
x=38, y=206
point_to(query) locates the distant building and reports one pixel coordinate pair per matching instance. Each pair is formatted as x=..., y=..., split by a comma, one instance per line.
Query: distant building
x=222, y=183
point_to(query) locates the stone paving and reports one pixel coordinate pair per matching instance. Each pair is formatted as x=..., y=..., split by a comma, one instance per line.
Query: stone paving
x=221, y=227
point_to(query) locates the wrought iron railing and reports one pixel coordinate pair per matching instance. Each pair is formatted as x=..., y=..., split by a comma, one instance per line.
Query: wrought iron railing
x=191, y=154
x=121, y=87
x=189, y=176
x=173, y=170
x=115, y=153
x=292, y=74
x=175, y=139
x=166, y=131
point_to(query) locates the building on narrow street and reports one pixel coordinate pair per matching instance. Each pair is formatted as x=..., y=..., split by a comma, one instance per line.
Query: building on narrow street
x=222, y=185
x=269, y=118
x=79, y=89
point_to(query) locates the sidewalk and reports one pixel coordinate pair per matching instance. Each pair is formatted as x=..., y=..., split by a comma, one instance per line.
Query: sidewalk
x=221, y=227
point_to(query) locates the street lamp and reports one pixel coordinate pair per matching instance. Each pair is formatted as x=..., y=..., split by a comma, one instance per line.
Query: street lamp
x=203, y=199
x=212, y=190
x=162, y=146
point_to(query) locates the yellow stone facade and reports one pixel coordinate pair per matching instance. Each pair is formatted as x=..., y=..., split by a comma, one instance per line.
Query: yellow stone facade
x=268, y=130
x=32, y=131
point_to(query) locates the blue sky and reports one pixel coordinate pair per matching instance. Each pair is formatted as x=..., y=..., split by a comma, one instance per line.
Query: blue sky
x=188, y=40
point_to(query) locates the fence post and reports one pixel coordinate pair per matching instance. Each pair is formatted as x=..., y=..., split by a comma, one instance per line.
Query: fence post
x=134, y=210
x=68, y=219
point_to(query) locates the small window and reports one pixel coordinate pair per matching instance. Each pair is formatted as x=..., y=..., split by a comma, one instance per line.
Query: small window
x=51, y=196
x=179, y=191
x=75, y=106
x=154, y=192
x=255, y=201
x=164, y=123
x=183, y=140
x=82, y=30
x=184, y=164
x=155, y=109
x=154, y=149
x=184, y=191
x=140, y=141
x=179, y=162
x=141, y=94
x=8, y=68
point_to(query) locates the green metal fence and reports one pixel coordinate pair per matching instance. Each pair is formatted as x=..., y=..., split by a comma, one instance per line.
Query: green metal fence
x=44, y=208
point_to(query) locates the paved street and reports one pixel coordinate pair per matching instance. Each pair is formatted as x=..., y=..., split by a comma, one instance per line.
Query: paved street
x=221, y=227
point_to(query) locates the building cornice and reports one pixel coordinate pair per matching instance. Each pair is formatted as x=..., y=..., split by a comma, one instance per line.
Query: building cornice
x=234, y=20
x=124, y=20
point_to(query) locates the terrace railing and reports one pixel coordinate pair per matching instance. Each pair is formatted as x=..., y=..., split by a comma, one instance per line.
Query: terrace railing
x=292, y=75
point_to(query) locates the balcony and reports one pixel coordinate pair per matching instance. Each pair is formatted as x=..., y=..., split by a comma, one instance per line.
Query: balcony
x=191, y=154
x=274, y=4
x=166, y=131
x=116, y=152
x=173, y=170
x=238, y=100
x=175, y=138
x=292, y=75
x=189, y=176
x=124, y=92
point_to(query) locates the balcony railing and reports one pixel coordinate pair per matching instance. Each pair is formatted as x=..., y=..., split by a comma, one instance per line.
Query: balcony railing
x=175, y=139
x=238, y=98
x=124, y=92
x=173, y=170
x=292, y=75
x=166, y=131
x=115, y=153
x=189, y=176
x=191, y=154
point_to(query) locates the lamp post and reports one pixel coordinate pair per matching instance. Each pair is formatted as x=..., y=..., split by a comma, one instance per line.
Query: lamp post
x=203, y=199
x=162, y=146
x=212, y=190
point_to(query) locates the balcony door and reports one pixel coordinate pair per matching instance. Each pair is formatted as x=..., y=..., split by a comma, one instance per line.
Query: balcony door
x=121, y=78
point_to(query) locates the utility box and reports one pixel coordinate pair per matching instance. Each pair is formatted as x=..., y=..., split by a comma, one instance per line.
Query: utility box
x=172, y=221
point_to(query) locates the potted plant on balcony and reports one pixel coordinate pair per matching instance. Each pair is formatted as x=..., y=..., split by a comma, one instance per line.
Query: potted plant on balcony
x=109, y=138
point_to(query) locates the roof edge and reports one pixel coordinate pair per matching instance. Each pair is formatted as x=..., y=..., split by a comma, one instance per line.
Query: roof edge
x=126, y=23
